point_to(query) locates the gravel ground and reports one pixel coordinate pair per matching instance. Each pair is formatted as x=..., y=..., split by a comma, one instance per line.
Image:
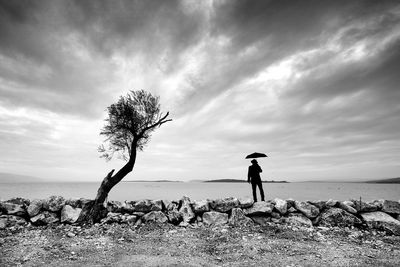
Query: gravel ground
x=167, y=245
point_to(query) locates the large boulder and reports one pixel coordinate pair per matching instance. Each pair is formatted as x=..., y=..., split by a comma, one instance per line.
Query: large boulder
x=390, y=206
x=224, y=205
x=299, y=219
x=45, y=218
x=280, y=205
x=199, y=207
x=155, y=216
x=54, y=203
x=13, y=209
x=345, y=206
x=186, y=210
x=259, y=208
x=246, y=202
x=214, y=218
x=10, y=221
x=309, y=210
x=238, y=218
x=147, y=205
x=338, y=217
x=382, y=221
x=70, y=214
x=35, y=207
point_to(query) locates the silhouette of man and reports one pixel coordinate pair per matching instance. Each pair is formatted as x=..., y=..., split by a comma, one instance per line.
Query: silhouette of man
x=253, y=176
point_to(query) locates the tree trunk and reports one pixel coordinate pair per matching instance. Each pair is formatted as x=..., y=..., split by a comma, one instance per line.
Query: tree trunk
x=93, y=211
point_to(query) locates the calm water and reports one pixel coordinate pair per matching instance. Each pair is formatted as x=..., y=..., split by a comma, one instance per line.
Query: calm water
x=198, y=191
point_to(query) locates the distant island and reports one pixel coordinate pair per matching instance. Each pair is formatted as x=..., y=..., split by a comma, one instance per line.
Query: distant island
x=152, y=181
x=385, y=181
x=239, y=181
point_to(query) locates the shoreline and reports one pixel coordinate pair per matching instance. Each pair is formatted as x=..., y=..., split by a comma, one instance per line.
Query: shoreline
x=219, y=232
x=378, y=214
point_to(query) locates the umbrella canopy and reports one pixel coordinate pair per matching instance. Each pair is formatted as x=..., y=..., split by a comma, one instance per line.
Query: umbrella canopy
x=256, y=155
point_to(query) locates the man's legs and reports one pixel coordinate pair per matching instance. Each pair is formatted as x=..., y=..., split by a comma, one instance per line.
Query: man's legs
x=261, y=191
x=254, y=187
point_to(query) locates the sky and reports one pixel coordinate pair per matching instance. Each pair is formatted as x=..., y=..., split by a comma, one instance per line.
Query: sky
x=313, y=84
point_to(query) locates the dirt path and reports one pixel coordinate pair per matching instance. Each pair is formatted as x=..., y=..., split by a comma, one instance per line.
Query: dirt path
x=166, y=245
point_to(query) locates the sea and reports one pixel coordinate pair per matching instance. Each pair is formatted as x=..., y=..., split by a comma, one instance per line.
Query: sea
x=199, y=190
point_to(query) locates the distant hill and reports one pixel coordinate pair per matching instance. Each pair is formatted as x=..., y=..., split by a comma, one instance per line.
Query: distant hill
x=385, y=181
x=16, y=178
x=238, y=181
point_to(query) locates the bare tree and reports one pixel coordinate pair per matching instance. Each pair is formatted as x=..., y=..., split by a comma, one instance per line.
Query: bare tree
x=128, y=129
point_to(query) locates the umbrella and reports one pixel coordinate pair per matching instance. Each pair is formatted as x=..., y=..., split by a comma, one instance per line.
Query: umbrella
x=256, y=155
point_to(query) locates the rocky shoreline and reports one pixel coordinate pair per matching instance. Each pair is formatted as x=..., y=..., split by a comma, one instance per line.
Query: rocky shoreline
x=380, y=215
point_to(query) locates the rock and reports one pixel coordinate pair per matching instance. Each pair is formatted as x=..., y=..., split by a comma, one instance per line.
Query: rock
x=224, y=205
x=390, y=206
x=11, y=221
x=382, y=221
x=261, y=220
x=70, y=214
x=246, y=202
x=112, y=217
x=331, y=203
x=259, y=208
x=19, y=201
x=199, y=207
x=299, y=219
x=309, y=210
x=174, y=216
x=128, y=207
x=346, y=207
x=114, y=206
x=70, y=234
x=280, y=205
x=215, y=218
x=3, y=221
x=44, y=218
x=349, y=203
x=338, y=217
x=186, y=210
x=275, y=215
x=320, y=204
x=13, y=209
x=147, y=205
x=290, y=203
x=155, y=216
x=73, y=202
x=292, y=210
x=238, y=218
x=364, y=207
x=54, y=203
x=129, y=219
x=35, y=207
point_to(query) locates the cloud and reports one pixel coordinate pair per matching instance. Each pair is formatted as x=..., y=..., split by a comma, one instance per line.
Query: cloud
x=313, y=84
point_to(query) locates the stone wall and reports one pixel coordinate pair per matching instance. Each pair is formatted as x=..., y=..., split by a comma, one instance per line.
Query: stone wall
x=378, y=214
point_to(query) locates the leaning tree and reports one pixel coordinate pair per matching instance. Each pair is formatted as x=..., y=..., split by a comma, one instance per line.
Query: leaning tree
x=127, y=129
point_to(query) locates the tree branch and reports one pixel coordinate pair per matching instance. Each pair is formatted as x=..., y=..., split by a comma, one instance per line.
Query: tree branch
x=161, y=121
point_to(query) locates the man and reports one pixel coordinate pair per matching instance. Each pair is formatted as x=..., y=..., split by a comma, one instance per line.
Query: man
x=253, y=176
